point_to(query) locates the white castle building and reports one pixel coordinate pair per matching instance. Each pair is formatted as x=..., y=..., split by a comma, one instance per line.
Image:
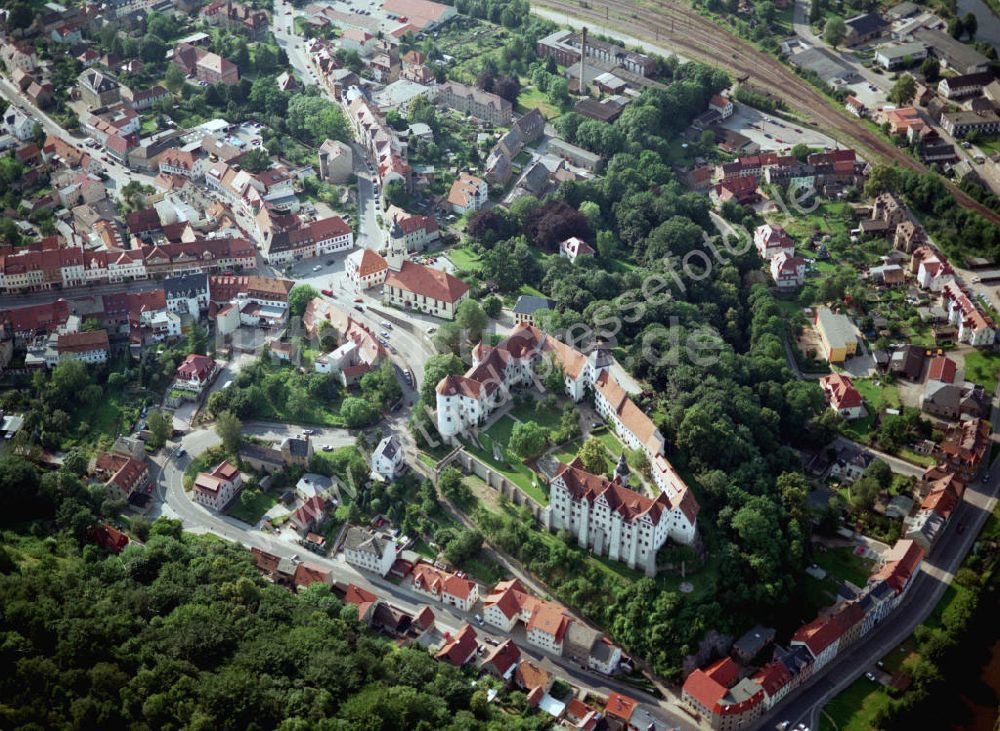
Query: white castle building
x=464, y=402
x=610, y=519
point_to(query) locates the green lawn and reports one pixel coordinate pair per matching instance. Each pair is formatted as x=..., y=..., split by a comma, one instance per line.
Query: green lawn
x=502, y=430
x=252, y=512
x=855, y=708
x=882, y=396
x=531, y=97
x=514, y=470
x=548, y=418
x=844, y=564
x=568, y=451
x=983, y=367
x=465, y=259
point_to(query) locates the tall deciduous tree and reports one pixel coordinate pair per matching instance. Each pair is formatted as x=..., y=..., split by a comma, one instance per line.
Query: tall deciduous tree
x=230, y=431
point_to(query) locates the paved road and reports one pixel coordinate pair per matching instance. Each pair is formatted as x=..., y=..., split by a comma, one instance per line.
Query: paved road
x=938, y=570
x=118, y=174
x=199, y=520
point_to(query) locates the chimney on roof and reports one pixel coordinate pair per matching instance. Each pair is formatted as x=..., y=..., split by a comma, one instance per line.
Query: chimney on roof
x=583, y=62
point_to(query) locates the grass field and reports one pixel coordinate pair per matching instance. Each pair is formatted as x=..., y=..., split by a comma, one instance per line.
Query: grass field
x=531, y=97
x=548, y=418
x=844, y=564
x=252, y=512
x=855, y=708
x=982, y=368
x=514, y=470
x=464, y=259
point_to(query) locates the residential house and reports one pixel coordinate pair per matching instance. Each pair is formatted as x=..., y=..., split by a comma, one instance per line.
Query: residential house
x=573, y=248
x=195, y=372
x=488, y=107
x=89, y=347
x=204, y=65
x=336, y=162
x=217, y=488
x=591, y=648
x=448, y=588
x=460, y=649
x=850, y=464
x=123, y=474
x=387, y=458
x=788, y=272
x=842, y=396
x=308, y=574
x=907, y=362
x=527, y=307
x=369, y=550
x=468, y=194
x=18, y=123
x=547, y=626
x=975, y=327
x=366, y=269
x=721, y=698
x=98, y=89
x=771, y=240
x=965, y=447
x=723, y=105
x=412, y=231
x=309, y=516
x=502, y=660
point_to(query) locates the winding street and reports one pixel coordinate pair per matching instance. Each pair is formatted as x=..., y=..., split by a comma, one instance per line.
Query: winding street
x=174, y=503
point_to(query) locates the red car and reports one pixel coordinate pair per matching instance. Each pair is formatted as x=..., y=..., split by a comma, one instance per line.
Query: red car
x=327, y=292
x=358, y=299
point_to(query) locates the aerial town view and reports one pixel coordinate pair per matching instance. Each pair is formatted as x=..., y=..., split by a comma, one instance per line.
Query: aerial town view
x=500, y=364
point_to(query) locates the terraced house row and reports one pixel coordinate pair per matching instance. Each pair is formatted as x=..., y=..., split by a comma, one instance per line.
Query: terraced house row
x=727, y=695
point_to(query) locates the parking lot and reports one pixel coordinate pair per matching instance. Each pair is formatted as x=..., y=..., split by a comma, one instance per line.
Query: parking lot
x=772, y=133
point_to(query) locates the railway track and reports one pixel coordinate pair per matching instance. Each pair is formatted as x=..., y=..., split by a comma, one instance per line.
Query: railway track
x=698, y=38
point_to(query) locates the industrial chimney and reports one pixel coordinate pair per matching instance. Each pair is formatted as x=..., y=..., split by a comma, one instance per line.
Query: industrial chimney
x=583, y=63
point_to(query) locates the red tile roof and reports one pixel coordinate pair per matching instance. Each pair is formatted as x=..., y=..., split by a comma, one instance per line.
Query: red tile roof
x=621, y=706
x=942, y=368
x=427, y=282
x=83, y=342
x=503, y=656
x=549, y=618
x=900, y=564
x=840, y=391
x=460, y=648
x=818, y=634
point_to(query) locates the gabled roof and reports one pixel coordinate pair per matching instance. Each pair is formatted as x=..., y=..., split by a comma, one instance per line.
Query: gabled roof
x=427, y=282
x=503, y=656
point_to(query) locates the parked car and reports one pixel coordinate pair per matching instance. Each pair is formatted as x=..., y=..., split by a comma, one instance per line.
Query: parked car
x=870, y=675
x=308, y=432
x=317, y=267
x=327, y=292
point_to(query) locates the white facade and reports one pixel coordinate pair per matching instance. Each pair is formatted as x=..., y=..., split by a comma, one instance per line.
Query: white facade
x=772, y=240
x=387, y=459
x=216, y=489
x=369, y=550
x=18, y=123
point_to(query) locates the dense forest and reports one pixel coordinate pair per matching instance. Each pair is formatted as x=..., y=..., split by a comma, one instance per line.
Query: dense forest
x=182, y=632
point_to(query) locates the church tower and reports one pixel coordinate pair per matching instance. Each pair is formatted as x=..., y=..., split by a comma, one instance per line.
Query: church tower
x=397, y=246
